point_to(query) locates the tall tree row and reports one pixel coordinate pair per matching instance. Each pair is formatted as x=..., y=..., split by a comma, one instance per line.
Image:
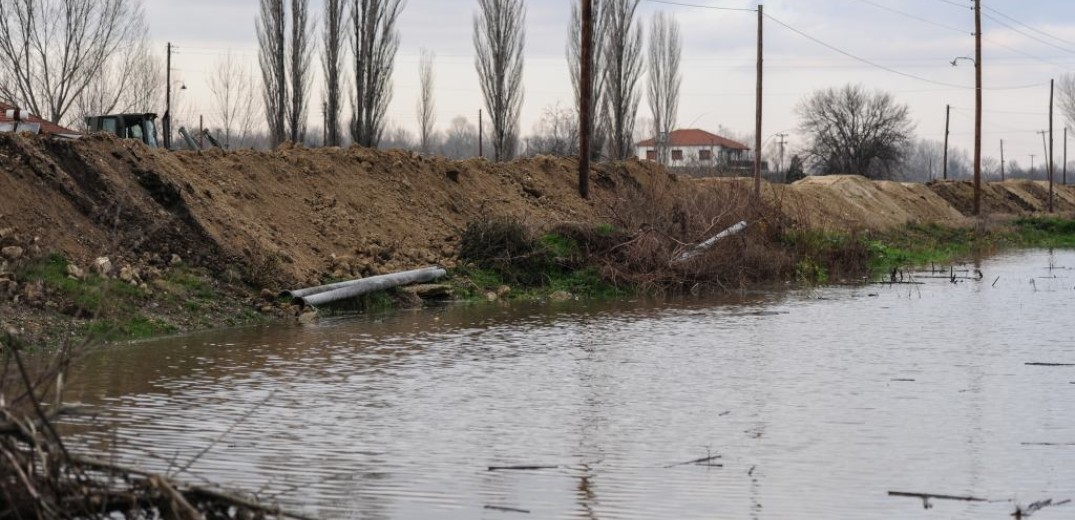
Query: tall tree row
x=332, y=64
x=52, y=52
x=285, y=67
x=499, y=40
x=665, y=49
x=622, y=51
x=374, y=41
x=426, y=104
x=597, y=68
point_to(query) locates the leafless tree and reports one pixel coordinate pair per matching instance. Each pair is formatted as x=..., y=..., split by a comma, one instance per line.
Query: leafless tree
x=271, y=25
x=375, y=41
x=665, y=49
x=301, y=54
x=130, y=81
x=332, y=62
x=597, y=66
x=557, y=133
x=1065, y=89
x=854, y=131
x=51, y=50
x=622, y=50
x=427, y=106
x=233, y=101
x=499, y=39
x=460, y=140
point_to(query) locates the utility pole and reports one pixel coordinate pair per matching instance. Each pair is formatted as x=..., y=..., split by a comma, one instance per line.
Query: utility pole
x=1065, y=156
x=947, y=120
x=758, y=119
x=168, y=100
x=977, y=107
x=1052, y=164
x=481, y=138
x=1002, y=160
x=324, y=123
x=201, y=132
x=1032, y=156
x=783, y=142
x=586, y=98
x=1045, y=147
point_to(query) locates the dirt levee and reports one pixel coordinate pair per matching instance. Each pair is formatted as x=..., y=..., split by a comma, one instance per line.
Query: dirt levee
x=853, y=202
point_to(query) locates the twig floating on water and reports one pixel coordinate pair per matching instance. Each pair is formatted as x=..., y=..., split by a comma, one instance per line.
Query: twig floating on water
x=903, y=380
x=522, y=467
x=1049, y=444
x=1037, y=506
x=700, y=462
x=1051, y=364
x=995, y=281
x=927, y=496
x=508, y=509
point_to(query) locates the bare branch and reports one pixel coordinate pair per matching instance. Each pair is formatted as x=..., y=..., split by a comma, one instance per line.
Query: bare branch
x=427, y=106
x=665, y=49
x=622, y=50
x=375, y=41
x=499, y=39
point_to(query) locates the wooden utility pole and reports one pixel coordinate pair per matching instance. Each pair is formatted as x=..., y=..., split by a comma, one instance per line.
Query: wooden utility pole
x=168, y=99
x=977, y=107
x=1052, y=164
x=757, y=120
x=1032, y=156
x=1002, y=160
x=947, y=120
x=783, y=141
x=1065, y=156
x=586, y=98
x=481, y=138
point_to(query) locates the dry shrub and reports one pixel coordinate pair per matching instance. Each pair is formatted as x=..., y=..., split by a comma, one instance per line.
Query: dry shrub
x=667, y=218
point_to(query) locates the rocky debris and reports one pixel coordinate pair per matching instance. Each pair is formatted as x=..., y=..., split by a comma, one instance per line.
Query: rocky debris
x=12, y=252
x=75, y=272
x=102, y=266
x=130, y=275
x=429, y=291
x=175, y=260
x=33, y=293
x=561, y=296
x=503, y=291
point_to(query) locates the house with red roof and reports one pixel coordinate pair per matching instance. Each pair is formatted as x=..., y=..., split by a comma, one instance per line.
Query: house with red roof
x=694, y=147
x=19, y=121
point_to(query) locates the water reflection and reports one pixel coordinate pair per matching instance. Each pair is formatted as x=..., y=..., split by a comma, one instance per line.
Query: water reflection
x=819, y=402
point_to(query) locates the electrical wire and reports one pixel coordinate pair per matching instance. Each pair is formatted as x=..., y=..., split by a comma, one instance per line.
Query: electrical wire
x=683, y=4
x=1028, y=35
x=1039, y=31
x=916, y=17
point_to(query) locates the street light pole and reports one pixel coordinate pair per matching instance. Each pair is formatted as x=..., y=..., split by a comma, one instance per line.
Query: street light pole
x=977, y=107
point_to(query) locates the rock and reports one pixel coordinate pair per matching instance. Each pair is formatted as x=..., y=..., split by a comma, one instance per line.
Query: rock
x=12, y=252
x=175, y=260
x=7, y=232
x=102, y=266
x=34, y=292
x=268, y=295
x=430, y=291
x=266, y=309
x=561, y=296
x=76, y=272
x=491, y=296
x=308, y=316
x=130, y=275
x=503, y=291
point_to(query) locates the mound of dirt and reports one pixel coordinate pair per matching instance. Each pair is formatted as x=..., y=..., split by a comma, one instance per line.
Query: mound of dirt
x=853, y=202
x=1015, y=197
x=290, y=217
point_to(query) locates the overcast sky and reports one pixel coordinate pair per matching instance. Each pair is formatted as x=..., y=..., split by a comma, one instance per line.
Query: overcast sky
x=1026, y=44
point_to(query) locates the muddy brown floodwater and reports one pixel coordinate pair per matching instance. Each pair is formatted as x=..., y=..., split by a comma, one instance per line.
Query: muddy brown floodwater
x=818, y=402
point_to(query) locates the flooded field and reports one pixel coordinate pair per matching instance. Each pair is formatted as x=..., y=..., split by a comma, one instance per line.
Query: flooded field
x=800, y=404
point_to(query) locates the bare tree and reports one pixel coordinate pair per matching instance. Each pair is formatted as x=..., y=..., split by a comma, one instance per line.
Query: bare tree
x=557, y=133
x=375, y=41
x=130, y=81
x=427, y=107
x=853, y=131
x=302, y=51
x=623, y=69
x=232, y=90
x=51, y=50
x=271, y=25
x=597, y=66
x=460, y=140
x=499, y=39
x=665, y=49
x=332, y=62
x=1065, y=88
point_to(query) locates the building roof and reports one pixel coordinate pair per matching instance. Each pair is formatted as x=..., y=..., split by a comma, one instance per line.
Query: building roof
x=696, y=137
x=33, y=121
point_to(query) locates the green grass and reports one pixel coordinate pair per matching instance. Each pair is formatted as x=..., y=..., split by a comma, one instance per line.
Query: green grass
x=1045, y=232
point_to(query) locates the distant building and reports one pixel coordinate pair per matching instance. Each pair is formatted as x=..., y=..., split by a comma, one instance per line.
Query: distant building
x=10, y=121
x=694, y=147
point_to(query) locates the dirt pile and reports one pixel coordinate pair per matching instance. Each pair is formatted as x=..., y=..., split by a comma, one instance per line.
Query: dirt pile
x=853, y=202
x=1016, y=197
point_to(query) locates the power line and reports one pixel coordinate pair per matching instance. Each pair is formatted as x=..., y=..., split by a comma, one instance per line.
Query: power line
x=915, y=17
x=683, y=4
x=1028, y=35
x=1039, y=31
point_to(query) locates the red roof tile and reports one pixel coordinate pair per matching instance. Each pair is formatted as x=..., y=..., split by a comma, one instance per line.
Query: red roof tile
x=46, y=127
x=696, y=137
